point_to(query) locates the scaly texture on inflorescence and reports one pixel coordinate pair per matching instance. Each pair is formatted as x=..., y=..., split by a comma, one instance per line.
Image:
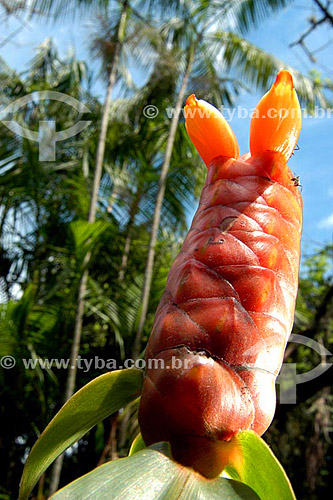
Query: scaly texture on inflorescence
x=226, y=313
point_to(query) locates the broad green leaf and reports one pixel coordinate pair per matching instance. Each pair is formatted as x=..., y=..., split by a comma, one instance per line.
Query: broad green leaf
x=137, y=445
x=101, y=397
x=150, y=474
x=257, y=467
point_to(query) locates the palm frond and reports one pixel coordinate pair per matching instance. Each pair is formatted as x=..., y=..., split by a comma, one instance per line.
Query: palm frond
x=250, y=13
x=257, y=67
x=60, y=9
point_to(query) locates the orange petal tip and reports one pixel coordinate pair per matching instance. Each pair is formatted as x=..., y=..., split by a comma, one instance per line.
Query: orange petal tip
x=191, y=101
x=209, y=131
x=283, y=78
x=277, y=119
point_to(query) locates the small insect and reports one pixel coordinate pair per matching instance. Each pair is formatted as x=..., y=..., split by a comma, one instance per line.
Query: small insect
x=296, y=181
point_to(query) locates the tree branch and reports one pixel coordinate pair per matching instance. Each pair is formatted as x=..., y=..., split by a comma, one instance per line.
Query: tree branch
x=327, y=17
x=325, y=10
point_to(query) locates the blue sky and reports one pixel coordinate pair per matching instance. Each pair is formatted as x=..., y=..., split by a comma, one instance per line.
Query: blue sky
x=313, y=162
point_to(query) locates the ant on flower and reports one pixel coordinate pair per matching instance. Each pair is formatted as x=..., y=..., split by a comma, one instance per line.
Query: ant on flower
x=296, y=181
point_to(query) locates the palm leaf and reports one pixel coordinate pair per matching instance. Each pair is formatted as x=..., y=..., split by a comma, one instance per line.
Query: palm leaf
x=250, y=13
x=61, y=9
x=257, y=67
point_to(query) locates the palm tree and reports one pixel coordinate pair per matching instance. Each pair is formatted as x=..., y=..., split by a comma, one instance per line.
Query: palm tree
x=37, y=198
x=25, y=180
x=159, y=199
x=119, y=38
x=117, y=41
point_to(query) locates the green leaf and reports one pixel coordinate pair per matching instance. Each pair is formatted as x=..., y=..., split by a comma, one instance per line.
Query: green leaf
x=137, y=445
x=150, y=474
x=101, y=397
x=257, y=467
x=86, y=235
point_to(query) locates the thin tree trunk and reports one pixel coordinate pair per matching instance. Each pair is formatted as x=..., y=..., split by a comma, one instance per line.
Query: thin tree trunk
x=110, y=448
x=124, y=258
x=71, y=378
x=111, y=443
x=158, y=205
x=128, y=240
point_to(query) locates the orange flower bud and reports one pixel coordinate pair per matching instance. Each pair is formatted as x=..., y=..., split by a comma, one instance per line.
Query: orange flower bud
x=209, y=131
x=277, y=119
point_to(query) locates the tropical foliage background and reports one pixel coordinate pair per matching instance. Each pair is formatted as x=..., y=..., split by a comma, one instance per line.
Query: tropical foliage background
x=87, y=240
